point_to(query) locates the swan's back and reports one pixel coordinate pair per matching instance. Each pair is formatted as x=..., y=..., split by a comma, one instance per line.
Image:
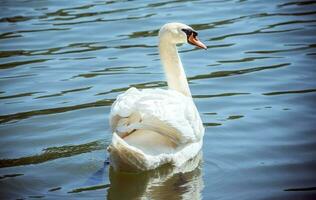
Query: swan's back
x=152, y=127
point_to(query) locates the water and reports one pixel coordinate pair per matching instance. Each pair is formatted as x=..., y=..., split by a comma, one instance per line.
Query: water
x=64, y=62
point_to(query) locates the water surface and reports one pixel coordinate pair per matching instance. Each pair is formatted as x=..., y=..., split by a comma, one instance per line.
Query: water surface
x=62, y=64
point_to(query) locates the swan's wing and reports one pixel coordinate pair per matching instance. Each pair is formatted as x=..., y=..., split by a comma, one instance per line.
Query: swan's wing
x=164, y=111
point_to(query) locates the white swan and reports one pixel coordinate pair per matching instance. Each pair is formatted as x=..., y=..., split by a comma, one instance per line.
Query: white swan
x=152, y=127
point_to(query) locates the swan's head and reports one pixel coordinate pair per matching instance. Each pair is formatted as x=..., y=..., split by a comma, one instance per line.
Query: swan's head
x=178, y=33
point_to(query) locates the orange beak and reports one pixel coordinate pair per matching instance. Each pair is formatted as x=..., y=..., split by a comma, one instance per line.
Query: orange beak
x=195, y=41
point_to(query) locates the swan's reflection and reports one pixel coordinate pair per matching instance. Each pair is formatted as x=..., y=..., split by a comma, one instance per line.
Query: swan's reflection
x=164, y=183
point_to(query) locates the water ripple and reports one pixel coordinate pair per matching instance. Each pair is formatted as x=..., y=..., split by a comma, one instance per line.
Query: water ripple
x=290, y=92
x=49, y=111
x=62, y=64
x=54, y=153
x=237, y=72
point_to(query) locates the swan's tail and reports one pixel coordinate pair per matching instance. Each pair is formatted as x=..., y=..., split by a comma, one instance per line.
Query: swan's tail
x=139, y=144
x=125, y=157
x=143, y=144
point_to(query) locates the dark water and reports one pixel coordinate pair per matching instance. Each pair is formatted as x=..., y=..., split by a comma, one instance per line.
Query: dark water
x=63, y=63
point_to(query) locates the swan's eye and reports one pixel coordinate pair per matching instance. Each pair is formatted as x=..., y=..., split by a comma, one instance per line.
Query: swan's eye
x=189, y=32
x=194, y=33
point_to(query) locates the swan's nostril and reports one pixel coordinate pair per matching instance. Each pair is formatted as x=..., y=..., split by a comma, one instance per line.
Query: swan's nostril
x=195, y=41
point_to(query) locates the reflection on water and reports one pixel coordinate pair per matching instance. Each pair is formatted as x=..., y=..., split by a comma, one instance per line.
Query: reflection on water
x=166, y=182
x=62, y=64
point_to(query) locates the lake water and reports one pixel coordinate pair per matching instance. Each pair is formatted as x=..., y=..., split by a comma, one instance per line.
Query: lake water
x=62, y=64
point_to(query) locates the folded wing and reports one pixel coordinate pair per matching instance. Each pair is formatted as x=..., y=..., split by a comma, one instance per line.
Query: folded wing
x=164, y=111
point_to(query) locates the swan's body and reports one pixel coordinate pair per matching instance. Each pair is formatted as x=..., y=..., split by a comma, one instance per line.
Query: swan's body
x=152, y=127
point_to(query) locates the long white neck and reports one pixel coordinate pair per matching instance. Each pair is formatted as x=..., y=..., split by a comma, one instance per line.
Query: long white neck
x=174, y=71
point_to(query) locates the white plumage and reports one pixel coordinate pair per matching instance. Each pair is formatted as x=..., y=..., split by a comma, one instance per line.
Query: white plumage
x=152, y=127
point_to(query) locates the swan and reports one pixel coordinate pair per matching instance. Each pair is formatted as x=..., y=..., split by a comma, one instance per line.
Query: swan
x=153, y=127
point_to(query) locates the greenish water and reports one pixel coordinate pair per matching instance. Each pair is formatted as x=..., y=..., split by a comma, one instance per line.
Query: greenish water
x=62, y=64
